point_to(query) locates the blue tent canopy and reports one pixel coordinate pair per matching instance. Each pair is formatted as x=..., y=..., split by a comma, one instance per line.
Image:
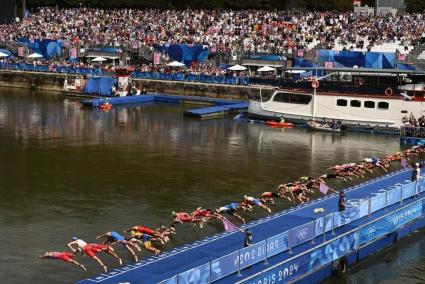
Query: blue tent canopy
x=99, y=85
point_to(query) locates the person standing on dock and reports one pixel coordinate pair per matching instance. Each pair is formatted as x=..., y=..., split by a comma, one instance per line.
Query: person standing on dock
x=248, y=238
x=416, y=172
x=341, y=201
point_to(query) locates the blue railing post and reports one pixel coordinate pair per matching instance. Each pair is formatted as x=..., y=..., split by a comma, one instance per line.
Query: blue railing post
x=324, y=226
x=314, y=231
x=239, y=263
x=416, y=189
x=333, y=223
x=386, y=201
x=209, y=278
x=289, y=242
x=265, y=260
x=368, y=207
x=401, y=195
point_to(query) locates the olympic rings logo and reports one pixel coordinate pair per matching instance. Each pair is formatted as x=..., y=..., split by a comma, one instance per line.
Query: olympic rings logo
x=302, y=233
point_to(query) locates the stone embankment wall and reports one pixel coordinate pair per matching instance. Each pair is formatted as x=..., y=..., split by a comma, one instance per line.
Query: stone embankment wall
x=55, y=82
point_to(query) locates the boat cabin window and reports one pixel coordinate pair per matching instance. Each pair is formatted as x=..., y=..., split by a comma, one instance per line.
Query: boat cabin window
x=355, y=103
x=292, y=98
x=341, y=102
x=383, y=105
x=265, y=96
x=369, y=104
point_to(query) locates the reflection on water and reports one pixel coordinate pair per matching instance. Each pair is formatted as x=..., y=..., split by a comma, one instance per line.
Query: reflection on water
x=67, y=170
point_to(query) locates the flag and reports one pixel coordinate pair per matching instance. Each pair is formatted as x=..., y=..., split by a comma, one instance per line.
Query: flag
x=403, y=163
x=323, y=188
x=156, y=58
x=229, y=226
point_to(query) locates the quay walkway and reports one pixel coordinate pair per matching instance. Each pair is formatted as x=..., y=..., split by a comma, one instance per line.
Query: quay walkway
x=289, y=244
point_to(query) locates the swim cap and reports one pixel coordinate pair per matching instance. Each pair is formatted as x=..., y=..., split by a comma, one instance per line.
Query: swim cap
x=173, y=213
x=74, y=238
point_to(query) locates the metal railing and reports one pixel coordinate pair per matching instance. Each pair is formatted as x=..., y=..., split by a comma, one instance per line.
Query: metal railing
x=286, y=241
x=412, y=132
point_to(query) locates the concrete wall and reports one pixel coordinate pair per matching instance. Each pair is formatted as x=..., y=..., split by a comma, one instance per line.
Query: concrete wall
x=33, y=80
x=55, y=82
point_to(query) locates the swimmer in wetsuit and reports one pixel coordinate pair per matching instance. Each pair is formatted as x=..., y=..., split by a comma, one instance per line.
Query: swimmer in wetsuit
x=183, y=217
x=229, y=209
x=298, y=193
x=113, y=238
x=161, y=233
x=145, y=240
x=250, y=201
x=269, y=195
x=91, y=249
x=64, y=256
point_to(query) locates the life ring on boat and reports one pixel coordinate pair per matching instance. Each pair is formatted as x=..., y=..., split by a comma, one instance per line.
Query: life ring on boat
x=339, y=267
x=389, y=91
x=315, y=84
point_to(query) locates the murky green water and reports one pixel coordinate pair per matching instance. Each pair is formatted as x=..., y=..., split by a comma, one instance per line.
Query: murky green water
x=69, y=171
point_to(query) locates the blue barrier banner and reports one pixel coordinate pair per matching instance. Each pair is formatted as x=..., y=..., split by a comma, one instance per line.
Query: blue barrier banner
x=172, y=280
x=350, y=214
x=377, y=202
x=224, y=266
x=409, y=190
x=421, y=184
x=252, y=254
x=198, y=275
x=277, y=244
x=304, y=264
x=393, y=196
x=319, y=225
x=390, y=223
x=301, y=234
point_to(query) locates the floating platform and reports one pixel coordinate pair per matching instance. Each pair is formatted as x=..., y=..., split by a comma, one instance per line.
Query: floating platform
x=297, y=244
x=218, y=106
x=217, y=110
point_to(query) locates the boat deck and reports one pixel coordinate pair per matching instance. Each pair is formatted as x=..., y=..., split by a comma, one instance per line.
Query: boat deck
x=164, y=267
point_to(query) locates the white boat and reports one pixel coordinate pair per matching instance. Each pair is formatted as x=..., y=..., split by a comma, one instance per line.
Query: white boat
x=367, y=111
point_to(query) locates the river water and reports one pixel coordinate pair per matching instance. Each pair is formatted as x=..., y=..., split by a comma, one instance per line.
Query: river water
x=70, y=171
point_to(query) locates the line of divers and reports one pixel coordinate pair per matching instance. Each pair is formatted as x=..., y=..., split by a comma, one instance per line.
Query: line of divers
x=295, y=192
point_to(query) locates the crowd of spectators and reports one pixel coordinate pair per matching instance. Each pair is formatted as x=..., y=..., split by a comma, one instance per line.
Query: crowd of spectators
x=223, y=30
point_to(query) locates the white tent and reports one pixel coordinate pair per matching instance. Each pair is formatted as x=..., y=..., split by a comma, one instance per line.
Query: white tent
x=237, y=68
x=266, y=69
x=176, y=64
x=99, y=59
x=35, y=55
x=3, y=54
x=295, y=71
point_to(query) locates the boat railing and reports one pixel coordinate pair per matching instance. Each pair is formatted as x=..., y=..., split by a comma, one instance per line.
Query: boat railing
x=412, y=132
x=312, y=232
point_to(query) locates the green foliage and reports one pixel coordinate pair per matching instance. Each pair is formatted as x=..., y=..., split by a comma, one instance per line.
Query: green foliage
x=415, y=6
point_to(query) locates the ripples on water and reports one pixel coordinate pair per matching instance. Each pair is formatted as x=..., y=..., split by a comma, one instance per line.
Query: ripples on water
x=67, y=170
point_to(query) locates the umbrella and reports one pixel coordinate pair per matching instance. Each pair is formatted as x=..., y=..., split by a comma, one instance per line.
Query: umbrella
x=266, y=69
x=2, y=54
x=237, y=68
x=35, y=55
x=99, y=59
x=176, y=64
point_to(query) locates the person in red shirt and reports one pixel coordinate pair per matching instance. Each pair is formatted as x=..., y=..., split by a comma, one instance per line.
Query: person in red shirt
x=64, y=256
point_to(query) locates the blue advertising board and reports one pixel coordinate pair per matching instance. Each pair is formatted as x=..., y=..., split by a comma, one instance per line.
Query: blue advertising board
x=377, y=202
x=393, y=196
x=301, y=234
x=350, y=214
x=277, y=244
x=409, y=190
x=390, y=223
x=307, y=262
x=224, y=266
x=319, y=224
x=252, y=254
x=172, y=280
x=198, y=275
